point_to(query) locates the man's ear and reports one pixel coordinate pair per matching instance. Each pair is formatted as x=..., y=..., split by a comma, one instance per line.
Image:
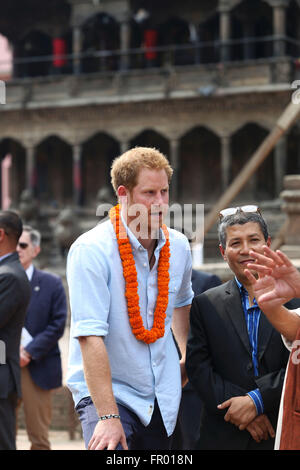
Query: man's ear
x=37, y=250
x=122, y=193
x=269, y=241
x=222, y=252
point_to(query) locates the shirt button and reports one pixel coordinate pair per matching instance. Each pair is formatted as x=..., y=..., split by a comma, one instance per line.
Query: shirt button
x=150, y=313
x=145, y=264
x=154, y=364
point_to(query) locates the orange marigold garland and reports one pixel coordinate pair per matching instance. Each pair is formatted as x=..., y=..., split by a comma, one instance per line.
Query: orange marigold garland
x=131, y=283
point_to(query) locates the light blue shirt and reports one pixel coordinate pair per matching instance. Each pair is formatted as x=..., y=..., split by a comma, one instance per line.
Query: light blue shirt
x=140, y=372
x=252, y=317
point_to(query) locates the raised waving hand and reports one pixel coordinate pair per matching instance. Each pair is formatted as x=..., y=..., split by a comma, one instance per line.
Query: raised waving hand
x=278, y=282
x=279, y=279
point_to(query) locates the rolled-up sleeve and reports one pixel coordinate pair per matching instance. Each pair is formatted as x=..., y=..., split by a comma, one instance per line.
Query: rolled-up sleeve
x=88, y=277
x=185, y=292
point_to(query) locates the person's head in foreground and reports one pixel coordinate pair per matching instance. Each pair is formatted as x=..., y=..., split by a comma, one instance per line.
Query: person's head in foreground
x=10, y=231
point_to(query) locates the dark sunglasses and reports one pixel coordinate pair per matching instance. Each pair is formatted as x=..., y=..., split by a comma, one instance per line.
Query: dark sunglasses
x=23, y=245
x=235, y=210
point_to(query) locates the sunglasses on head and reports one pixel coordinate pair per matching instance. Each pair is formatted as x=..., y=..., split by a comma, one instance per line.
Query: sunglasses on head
x=235, y=210
x=23, y=245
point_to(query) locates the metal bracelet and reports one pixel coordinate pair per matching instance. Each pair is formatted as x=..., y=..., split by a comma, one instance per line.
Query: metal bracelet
x=101, y=418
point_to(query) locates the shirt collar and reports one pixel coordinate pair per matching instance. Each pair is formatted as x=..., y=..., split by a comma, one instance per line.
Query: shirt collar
x=135, y=244
x=244, y=292
x=240, y=285
x=29, y=272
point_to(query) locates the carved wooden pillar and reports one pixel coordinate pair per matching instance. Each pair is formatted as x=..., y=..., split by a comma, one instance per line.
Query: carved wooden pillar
x=77, y=175
x=280, y=153
x=174, y=160
x=125, y=42
x=77, y=45
x=279, y=25
x=124, y=146
x=30, y=168
x=225, y=29
x=226, y=161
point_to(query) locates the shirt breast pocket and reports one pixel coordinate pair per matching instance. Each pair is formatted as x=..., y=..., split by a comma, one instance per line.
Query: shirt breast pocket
x=174, y=285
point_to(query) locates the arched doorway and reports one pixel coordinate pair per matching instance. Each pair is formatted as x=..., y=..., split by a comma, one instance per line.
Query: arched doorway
x=35, y=44
x=293, y=28
x=151, y=138
x=209, y=32
x=101, y=32
x=200, y=166
x=53, y=172
x=252, y=19
x=98, y=152
x=244, y=143
x=175, y=32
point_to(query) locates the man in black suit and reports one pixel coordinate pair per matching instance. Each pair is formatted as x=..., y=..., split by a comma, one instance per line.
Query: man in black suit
x=236, y=360
x=188, y=422
x=14, y=299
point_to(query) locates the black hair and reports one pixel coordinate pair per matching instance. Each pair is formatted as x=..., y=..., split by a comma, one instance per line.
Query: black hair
x=241, y=218
x=12, y=224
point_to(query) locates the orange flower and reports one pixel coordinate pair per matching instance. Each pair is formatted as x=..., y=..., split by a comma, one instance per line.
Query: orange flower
x=131, y=283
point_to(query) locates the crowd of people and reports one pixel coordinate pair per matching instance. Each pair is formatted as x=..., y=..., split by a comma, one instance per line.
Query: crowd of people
x=161, y=356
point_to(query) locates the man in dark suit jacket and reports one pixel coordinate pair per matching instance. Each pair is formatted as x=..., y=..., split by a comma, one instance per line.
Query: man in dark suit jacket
x=40, y=355
x=188, y=423
x=14, y=299
x=236, y=360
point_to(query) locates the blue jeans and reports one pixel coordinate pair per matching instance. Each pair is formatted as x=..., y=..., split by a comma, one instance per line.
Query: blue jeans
x=138, y=436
